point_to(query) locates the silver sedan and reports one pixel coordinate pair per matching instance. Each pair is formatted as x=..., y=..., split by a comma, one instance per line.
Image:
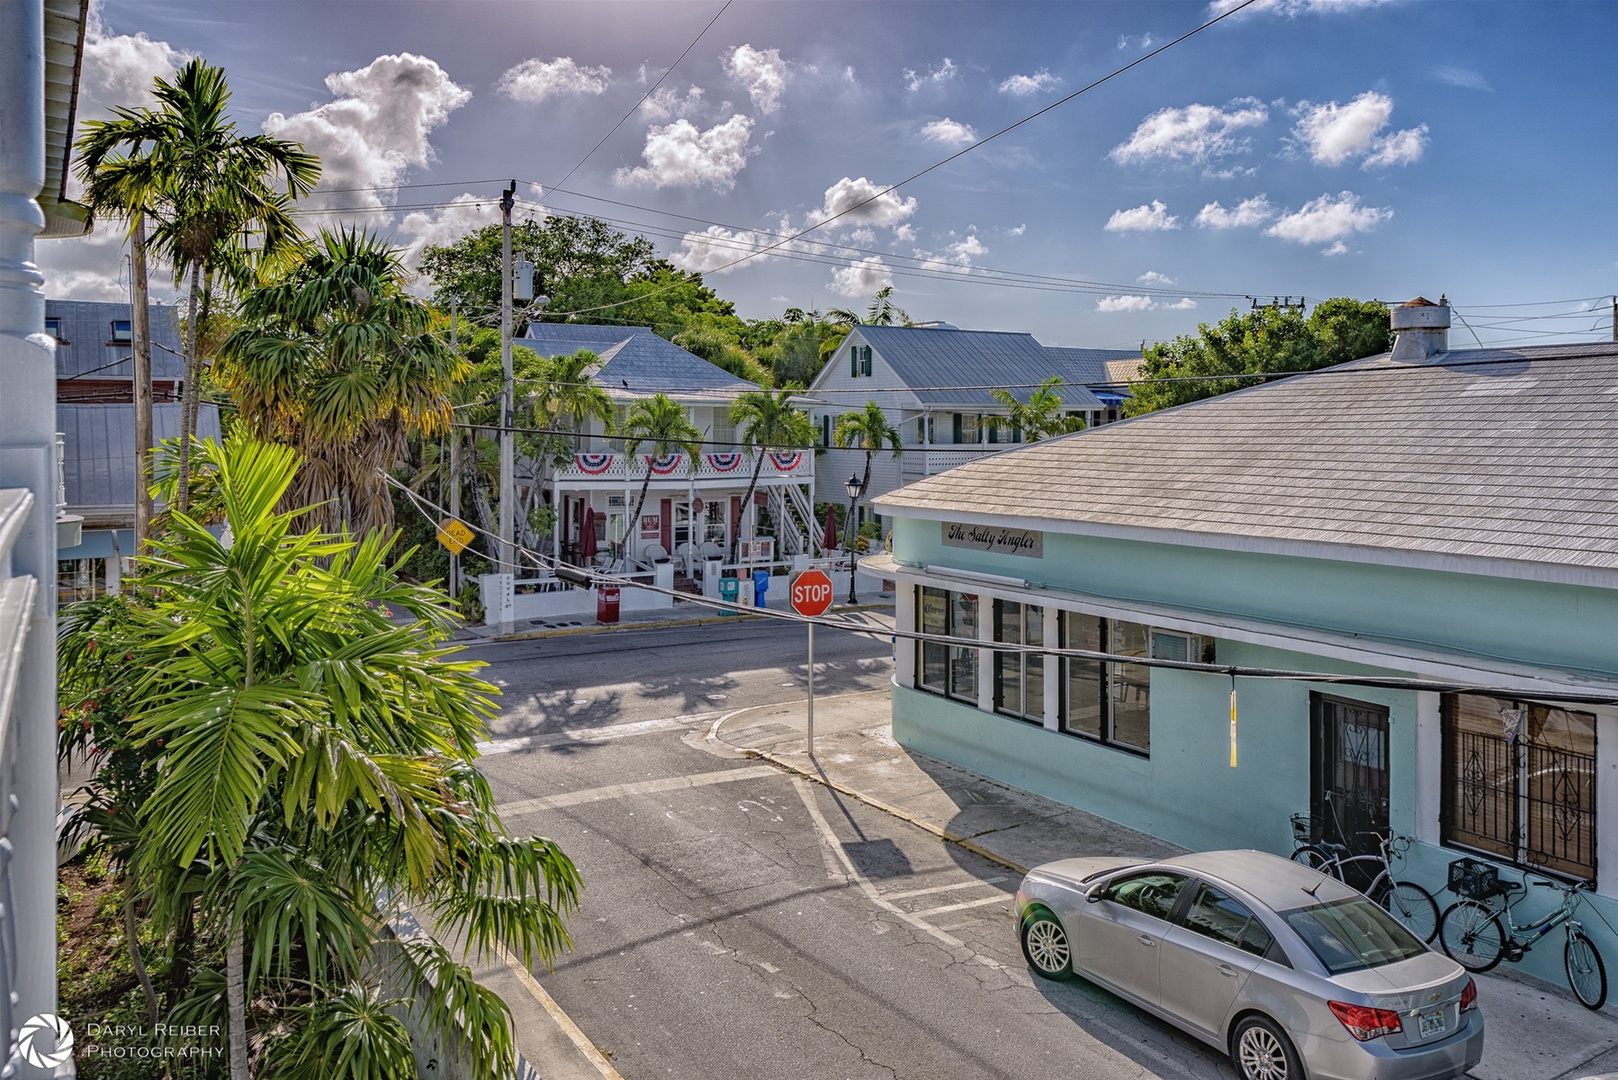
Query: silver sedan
x=1292, y=973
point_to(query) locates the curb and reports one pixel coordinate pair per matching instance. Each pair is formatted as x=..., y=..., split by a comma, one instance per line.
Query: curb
x=870, y=800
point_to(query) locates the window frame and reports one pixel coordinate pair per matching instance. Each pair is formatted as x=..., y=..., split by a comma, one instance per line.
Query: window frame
x=123, y=332
x=1171, y=913
x=1110, y=683
x=1515, y=841
x=964, y=655
x=1024, y=661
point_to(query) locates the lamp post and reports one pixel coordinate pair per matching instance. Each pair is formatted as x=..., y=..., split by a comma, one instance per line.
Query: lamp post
x=855, y=487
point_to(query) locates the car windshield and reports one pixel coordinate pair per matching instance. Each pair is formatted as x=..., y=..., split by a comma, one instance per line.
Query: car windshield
x=1352, y=934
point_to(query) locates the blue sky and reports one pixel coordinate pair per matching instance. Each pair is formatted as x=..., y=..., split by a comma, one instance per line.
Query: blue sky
x=1298, y=147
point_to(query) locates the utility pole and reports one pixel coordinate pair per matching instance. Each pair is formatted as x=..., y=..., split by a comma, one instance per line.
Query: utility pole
x=454, y=470
x=140, y=325
x=508, y=450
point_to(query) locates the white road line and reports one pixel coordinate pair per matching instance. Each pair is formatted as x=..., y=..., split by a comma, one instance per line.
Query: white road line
x=945, y=888
x=577, y=735
x=644, y=787
x=961, y=907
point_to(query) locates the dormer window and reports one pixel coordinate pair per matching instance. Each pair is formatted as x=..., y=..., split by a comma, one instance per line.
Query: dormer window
x=121, y=333
x=53, y=327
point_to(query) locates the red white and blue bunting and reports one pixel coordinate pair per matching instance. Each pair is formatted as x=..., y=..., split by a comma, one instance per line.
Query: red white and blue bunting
x=724, y=462
x=662, y=466
x=786, y=461
x=594, y=464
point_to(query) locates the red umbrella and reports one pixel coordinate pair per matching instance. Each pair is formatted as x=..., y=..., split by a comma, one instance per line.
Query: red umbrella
x=587, y=542
x=829, y=543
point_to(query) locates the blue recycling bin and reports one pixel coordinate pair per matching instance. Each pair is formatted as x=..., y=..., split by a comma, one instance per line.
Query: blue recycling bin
x=728, y=589
x=761, y=585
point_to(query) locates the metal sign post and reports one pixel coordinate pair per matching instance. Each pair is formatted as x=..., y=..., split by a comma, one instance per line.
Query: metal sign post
x=811, y=596
x=810, y=728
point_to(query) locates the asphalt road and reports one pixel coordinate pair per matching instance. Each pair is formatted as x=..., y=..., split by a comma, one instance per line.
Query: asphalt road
x=742, y=923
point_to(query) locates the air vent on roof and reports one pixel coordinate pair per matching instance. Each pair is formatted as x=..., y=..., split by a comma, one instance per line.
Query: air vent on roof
x=1422, y=328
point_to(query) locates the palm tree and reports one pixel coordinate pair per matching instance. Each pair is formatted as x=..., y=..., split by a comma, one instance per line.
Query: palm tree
x=661, y=425
x=1040, y=417
x=315, y=771
x=337, y=360
x=882, y=311
x=184, y=166
x=868, y=430
x=765, y=419
x=567, y=400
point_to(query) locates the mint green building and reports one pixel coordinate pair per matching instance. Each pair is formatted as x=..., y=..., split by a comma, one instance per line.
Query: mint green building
x=1424, y=542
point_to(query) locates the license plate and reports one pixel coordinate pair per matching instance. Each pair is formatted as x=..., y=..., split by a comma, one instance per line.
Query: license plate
x=1430, y=1025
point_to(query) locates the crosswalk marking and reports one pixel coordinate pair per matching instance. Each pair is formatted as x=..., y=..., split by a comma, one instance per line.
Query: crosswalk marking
x=644, y=787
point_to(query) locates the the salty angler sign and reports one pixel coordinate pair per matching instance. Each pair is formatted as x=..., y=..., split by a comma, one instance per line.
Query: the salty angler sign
x=995, y=539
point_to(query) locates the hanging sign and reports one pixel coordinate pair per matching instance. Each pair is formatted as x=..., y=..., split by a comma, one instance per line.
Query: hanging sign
x=995, y=539
x=1511, y=724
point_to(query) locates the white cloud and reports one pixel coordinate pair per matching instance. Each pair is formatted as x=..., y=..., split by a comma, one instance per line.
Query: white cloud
x=937, y=77
x=1197, y=132
x=378, y=126
x=1248, y=212
x=1112, y=305
x=1334, y=134
x=1152, y=277
x=678, y=155
x=1465, y=78
x=465, y=214
x=762, y=72
x=862, y=235
x=1017, y=230
x=1328, y=218
x=535, y=79
x=1292, y=8
x=905, y=232
x=1337, y=248
x=1024, y=85
x=863, y=202
x=118, y=69
x=664, y=104
x=950, y=132
x=861, y=278
x=712, y=250
x=1400, y=148
x=1145, y=40
x=1150, y=218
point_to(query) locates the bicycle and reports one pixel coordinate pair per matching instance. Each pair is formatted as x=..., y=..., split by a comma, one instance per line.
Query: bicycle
x=1478, y=931
x=1410, y=904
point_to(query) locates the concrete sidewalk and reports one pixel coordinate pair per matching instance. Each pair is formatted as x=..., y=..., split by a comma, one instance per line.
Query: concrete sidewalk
x=1536, y=1031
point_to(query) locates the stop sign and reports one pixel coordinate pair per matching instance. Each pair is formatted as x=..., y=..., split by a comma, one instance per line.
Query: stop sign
x=811, y=593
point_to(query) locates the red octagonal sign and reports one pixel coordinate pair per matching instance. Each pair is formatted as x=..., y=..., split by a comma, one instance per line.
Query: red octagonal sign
x=811, y=593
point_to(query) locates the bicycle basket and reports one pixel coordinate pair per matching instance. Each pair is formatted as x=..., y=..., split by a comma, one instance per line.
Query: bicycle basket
x=1305, y=828
x=1473, y=879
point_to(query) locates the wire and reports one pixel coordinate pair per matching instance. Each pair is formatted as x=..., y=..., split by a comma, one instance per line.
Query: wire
x=551, y=563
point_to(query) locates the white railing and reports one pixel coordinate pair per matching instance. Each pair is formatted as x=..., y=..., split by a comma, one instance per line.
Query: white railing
x=918, y=462
x=737, y=466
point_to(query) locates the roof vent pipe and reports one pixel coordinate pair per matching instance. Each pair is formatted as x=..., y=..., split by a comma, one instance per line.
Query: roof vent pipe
x=1422, y=328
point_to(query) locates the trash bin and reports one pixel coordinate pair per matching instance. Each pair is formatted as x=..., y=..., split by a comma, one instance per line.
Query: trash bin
x=761, y=586
x=728, y=589
x=606, y=603
x=710, y=577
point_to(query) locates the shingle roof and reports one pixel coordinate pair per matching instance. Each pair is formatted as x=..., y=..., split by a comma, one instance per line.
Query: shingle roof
x=926, y=357
x=1501, y=454
x=636, y=362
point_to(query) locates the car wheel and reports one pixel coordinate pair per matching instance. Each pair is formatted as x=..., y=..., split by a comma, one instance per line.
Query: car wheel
x=1263, y=1052
x=1045, y=945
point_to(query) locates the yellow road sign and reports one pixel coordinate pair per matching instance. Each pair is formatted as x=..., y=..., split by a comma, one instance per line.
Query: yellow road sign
x=454, y=534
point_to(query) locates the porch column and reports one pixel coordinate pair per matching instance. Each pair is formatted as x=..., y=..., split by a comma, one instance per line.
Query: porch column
x=558, y=524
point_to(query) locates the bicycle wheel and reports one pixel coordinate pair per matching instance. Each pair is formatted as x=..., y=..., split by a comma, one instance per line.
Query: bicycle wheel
x=1313, y=857
x=1586, y=974
x=1472, y=936
x=1413, y=906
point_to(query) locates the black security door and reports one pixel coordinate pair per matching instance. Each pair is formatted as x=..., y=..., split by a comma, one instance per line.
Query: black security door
x=1348, y=790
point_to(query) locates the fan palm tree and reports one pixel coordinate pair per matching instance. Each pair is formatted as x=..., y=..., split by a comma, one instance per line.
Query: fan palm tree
x=868, y=430
x=337, y=360
x=766, y=419
x=659, y=425
x=316, y=770
x=184, y=167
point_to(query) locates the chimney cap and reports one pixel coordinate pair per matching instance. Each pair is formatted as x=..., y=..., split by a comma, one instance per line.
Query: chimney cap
x=1420, y=301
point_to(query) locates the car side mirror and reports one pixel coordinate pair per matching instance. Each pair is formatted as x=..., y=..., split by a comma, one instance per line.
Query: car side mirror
x=1095, y=895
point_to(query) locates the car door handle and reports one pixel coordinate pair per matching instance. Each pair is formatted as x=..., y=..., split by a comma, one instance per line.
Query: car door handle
x=1145, y=940
x=1227, y=971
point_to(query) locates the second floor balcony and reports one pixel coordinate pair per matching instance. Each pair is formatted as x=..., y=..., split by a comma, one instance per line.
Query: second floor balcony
x=730, y=468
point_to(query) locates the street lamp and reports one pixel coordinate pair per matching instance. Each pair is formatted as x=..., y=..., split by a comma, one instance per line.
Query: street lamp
x=855, y=487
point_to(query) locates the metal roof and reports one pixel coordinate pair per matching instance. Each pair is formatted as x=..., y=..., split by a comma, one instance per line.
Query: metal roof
x=85, y=345
x=1500, y=461
x=976, y=360
x=98, y=453
x=637, y=363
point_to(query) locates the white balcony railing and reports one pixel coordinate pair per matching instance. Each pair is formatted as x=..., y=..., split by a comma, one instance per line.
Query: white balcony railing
x=737, y=466
x=917, y=462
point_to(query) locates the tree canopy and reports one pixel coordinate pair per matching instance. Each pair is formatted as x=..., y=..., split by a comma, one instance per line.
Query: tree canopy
x=1239, y=349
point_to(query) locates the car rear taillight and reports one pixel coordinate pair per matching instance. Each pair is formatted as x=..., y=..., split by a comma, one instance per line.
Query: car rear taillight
x=1469, y=995
x=1364, y=1022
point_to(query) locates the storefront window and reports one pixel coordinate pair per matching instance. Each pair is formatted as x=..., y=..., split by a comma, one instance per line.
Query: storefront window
x=1107, y=701
x=951, y=670
x=1019, y=677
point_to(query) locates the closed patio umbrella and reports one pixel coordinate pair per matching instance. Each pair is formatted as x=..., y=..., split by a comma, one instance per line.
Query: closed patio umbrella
x=829, y=543
x=587, y=542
